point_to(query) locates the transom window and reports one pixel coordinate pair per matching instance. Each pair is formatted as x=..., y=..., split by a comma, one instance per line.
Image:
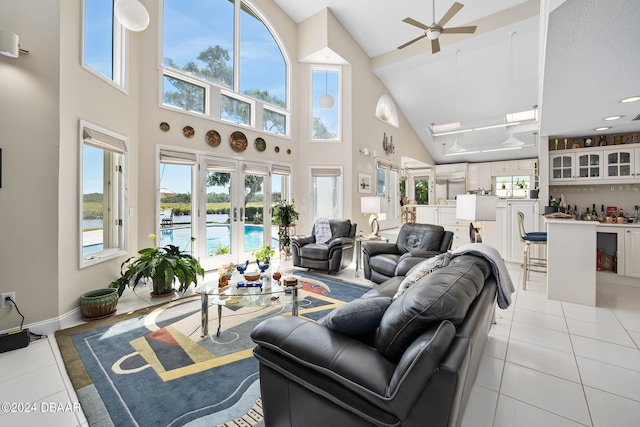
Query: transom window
x=241, y=68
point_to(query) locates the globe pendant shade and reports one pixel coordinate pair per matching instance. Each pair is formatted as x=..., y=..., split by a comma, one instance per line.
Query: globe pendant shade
x=326, y=101
x=132, y=15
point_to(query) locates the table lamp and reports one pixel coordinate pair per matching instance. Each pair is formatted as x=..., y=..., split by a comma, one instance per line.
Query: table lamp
x=373, y=206
x=475, y=207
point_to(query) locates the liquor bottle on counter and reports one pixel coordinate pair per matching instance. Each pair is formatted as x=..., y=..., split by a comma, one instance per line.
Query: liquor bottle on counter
x=594, y=213
x=587, y=215
x=602, y=214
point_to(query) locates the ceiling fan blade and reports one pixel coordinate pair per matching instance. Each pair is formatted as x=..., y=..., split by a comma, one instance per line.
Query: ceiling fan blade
x=455, y=8
x=460, y=30
x=412, y=41
x=415, y=23
x=435, y=46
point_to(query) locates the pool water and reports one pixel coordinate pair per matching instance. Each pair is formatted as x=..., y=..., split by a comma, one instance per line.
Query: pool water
x=217, y=235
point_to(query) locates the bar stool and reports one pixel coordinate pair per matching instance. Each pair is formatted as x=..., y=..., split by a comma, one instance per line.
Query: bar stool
x=533, y=238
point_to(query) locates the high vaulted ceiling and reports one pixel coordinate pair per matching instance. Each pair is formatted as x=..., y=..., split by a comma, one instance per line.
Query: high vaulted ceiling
x=576, y=74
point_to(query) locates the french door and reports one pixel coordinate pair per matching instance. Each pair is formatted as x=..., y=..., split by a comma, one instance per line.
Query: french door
x=234, y=209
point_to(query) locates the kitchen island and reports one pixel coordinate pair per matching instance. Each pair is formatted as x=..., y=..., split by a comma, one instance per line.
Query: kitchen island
x=572, y=257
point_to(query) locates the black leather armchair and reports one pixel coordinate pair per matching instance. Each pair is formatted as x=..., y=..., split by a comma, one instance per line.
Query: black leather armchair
x=335, y=255
x=415, y=243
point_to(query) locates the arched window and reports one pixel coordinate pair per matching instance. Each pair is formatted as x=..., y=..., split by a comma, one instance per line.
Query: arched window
x=243, y=69
x=386, y=110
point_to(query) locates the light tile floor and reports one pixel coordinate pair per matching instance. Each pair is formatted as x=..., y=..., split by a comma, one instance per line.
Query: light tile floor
x=545, y=363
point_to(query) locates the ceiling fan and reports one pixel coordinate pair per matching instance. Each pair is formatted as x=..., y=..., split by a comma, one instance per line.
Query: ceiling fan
x=433, y=32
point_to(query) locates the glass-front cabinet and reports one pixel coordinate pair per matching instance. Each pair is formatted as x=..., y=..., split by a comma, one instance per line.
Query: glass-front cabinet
x=589, y=165
x=561, y=167
x=619, y=164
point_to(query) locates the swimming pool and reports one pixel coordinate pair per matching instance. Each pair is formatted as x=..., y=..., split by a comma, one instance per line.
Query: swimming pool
x=217, y=235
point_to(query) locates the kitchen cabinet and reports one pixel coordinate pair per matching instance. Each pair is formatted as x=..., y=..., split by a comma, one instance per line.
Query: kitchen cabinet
x=582, y=166
x=494, y=233
x=459, y=227
x=450, y=168
x=514, y=245
x=631, y=251
x=619, y=164
x=513, y=167
x=479, y=176
x=427, y=214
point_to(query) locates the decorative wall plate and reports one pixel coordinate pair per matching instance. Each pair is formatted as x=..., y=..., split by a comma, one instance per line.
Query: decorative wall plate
x=164, y=127
x=261, y=144
x=213, y=138
x=238, y=141
x=188, y=131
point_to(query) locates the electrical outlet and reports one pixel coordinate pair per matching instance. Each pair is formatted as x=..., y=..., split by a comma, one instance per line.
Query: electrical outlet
x=3, y=302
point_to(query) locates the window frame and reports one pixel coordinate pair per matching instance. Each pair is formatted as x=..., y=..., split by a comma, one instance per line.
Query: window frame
x=122, y=199
x=169, y=72
x=120, y=52
x=337, y=102
x=214, y=91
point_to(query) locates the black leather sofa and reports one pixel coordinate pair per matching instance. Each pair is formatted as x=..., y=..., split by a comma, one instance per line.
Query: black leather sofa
x=416, y=368
x=414, y=244
x=332, y=256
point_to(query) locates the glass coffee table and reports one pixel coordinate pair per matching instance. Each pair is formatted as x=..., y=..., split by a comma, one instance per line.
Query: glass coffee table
x=264, y=293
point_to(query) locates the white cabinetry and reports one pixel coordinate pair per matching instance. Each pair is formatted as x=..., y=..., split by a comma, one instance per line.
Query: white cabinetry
x=515, y=247
x=452, y=167
x=619, y=164
x=561, y=167
x=513, y=167
x=459, y=227
x=494, y=233
x=479, y=176
x=427, y=214
x=631, y=251
x=582, y=166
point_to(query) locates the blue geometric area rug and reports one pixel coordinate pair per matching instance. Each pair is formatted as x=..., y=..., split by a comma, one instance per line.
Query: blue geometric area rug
x=151, y=367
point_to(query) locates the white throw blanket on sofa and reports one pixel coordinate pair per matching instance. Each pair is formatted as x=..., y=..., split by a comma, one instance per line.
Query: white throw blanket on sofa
x=491, y=254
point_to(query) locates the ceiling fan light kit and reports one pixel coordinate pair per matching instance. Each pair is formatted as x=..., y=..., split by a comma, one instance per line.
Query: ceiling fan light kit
x=434, y=31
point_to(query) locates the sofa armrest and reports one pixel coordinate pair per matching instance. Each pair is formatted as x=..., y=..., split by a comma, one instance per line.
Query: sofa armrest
x=302, y=240
x=375, y=248
x=357, y=368
x=340, y=242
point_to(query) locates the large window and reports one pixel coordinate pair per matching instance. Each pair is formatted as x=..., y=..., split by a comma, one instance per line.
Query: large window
x=103, y=222
x=327, y=192
x=103, y=41
x=325, y=118
x=242, y=64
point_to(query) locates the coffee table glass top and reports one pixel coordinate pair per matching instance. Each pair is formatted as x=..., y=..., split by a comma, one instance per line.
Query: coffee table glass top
x=269, y=294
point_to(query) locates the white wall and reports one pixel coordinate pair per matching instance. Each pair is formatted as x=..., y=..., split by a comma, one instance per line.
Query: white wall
x=29, y=125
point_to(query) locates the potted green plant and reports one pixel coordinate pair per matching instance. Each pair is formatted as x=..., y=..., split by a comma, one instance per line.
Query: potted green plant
x=264, y=254
x=284, y=215
x=162, y=266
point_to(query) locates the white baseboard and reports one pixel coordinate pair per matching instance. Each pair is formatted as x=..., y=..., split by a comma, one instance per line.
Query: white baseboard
x=49, y=326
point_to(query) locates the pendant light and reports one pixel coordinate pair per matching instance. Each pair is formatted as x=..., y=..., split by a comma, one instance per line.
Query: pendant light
x=326, y=100
x=132, y=15
x=512, y=141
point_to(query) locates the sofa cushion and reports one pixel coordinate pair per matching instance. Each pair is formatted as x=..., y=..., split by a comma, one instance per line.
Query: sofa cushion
x=445, y=294
x=315, y=251
x=419, y=237
x=357, y=317
x=340, y=227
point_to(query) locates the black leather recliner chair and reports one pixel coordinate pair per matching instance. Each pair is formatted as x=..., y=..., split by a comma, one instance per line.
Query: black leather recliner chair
x=335, y=255
x=415, y=243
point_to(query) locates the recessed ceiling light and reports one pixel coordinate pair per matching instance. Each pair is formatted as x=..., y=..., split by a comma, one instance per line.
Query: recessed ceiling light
x=630, y=99
x=603, y=128
x=610, y=118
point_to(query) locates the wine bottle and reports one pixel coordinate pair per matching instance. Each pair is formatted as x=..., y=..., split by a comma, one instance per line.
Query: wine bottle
x=594, y=213
x=602, y=215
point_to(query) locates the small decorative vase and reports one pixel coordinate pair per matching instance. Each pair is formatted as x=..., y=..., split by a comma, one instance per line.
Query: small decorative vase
x=262, y=267
x=99, y=304
x=277, y=275
x=241, y=269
